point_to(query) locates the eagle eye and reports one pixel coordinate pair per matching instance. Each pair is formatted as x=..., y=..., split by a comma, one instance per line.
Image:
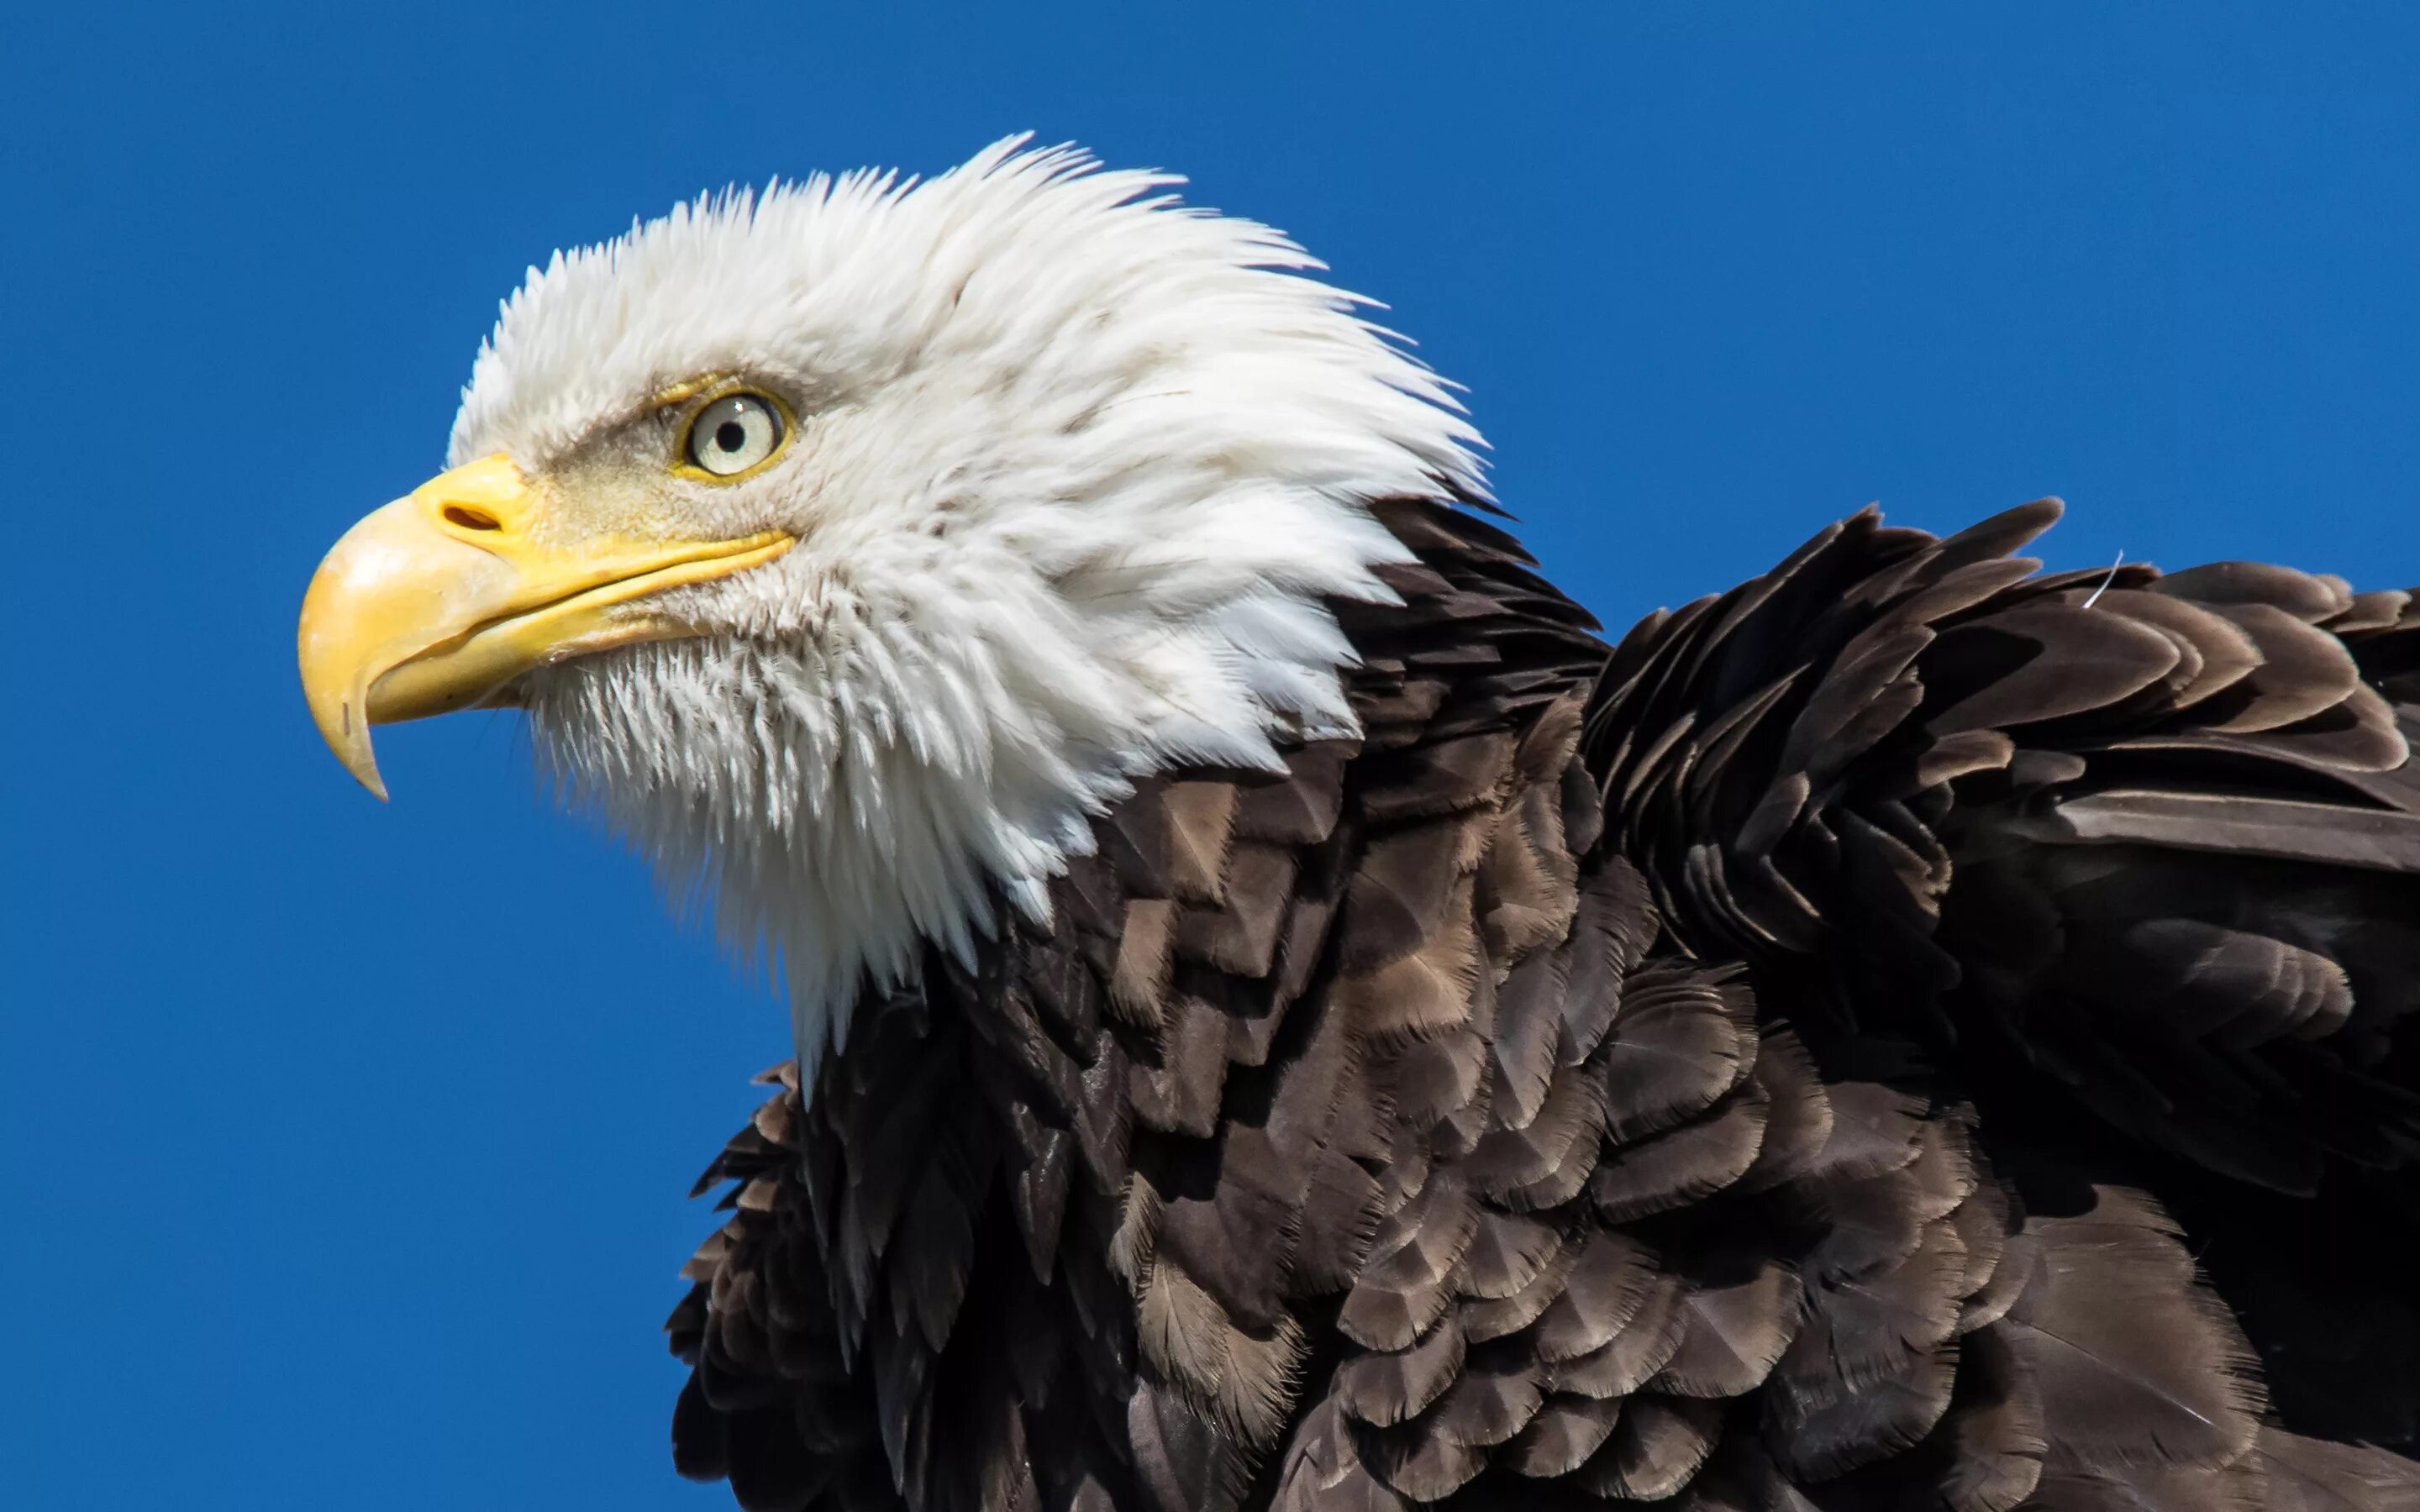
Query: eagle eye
x=736, y=434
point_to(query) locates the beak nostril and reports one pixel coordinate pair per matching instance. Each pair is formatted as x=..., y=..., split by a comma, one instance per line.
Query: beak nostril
x=471, y=519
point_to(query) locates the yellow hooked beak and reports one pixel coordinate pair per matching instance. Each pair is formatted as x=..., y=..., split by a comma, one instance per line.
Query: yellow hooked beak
x=437, y=601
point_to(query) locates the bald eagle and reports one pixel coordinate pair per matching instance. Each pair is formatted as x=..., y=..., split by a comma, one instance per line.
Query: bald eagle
x=1289, y=1020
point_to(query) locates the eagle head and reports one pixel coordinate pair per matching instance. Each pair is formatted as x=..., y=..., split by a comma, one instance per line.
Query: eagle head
x=850, y=546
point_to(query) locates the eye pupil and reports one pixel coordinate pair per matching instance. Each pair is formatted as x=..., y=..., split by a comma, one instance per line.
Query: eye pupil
x=731, y=436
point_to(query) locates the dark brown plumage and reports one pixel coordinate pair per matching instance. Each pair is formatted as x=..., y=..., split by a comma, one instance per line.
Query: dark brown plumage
x=1904, y=1033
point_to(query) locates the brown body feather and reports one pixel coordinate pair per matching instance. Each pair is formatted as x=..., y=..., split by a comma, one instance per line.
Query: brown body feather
x=1792, y=1061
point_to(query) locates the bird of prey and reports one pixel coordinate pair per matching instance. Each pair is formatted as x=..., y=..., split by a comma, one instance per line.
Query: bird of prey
x=1289, y=1018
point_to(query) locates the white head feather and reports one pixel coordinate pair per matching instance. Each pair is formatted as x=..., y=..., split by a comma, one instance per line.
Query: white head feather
x=1074, y=469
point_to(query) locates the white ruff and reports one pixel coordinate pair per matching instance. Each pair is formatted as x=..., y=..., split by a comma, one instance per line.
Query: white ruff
x=1075, y=467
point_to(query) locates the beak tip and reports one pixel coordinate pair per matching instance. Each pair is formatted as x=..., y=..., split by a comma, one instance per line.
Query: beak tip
x=362, y=764
x=348, y=739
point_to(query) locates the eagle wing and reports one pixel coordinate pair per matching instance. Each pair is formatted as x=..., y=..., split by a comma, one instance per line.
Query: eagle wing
x=1906, y=1032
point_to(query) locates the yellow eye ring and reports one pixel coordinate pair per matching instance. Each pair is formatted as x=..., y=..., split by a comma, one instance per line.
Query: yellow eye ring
x=735, y=434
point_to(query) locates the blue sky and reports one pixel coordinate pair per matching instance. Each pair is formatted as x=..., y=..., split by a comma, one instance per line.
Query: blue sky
x=342, y=1148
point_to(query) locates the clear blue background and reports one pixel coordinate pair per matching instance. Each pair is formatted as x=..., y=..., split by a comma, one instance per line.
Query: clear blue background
x=342, y=1148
